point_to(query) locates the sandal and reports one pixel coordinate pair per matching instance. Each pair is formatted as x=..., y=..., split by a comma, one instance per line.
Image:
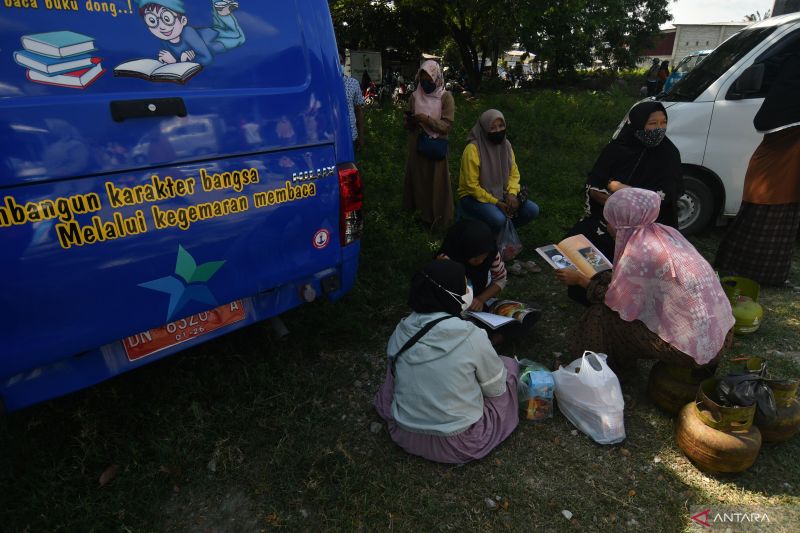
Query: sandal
x=531, y=267
x=516, y=269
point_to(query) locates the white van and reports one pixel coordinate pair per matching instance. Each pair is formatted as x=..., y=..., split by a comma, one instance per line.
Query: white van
x=711, y=114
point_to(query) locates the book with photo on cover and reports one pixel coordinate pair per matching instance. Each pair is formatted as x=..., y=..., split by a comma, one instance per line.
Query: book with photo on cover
x=576, y=253
x=152, y=70
x=501, y=312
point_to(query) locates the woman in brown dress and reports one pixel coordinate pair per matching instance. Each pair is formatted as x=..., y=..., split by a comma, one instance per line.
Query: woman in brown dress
x=760, y=242
x=431, y=112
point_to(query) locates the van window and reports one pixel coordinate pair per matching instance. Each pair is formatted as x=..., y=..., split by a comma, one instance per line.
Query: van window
x=773, y=60
x=717, y=63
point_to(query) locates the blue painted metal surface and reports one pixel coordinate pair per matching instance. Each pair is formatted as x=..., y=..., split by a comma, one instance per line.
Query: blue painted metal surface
x=113, y=228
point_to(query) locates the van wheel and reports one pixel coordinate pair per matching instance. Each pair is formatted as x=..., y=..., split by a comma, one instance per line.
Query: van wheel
x=695, y=207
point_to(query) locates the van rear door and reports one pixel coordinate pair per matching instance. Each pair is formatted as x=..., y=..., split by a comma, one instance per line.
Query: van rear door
x=188, y=160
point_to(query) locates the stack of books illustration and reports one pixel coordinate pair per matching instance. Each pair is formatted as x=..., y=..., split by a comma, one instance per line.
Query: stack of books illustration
x=61, y=58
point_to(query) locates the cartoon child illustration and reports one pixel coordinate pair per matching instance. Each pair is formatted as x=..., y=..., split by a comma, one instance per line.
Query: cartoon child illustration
x=167, y=21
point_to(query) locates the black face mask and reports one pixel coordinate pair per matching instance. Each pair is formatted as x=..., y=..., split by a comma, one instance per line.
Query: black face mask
x=428, y=86
x=497, y=136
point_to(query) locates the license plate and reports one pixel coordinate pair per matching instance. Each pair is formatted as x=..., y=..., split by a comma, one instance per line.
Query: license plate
x=157, y=339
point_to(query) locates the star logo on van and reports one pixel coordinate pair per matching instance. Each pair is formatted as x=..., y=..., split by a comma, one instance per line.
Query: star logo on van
x=188, y=284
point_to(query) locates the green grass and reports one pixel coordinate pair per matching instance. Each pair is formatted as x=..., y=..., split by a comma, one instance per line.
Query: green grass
x=248, y=432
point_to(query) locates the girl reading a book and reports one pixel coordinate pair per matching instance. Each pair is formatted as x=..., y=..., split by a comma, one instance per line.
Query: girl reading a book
x=662, y=300
x=448, y=396
x=472, y=244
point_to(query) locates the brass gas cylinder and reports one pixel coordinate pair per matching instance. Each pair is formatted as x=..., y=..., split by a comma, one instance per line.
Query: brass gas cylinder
x=672, y=386
x=717, y=438
x=787, y=423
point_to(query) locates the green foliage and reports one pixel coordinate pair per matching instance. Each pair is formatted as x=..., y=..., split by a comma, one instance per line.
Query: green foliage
x=562, y=33
x=565, y=33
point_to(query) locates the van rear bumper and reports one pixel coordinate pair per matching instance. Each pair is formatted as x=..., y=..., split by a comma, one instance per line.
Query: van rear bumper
x=94, y=366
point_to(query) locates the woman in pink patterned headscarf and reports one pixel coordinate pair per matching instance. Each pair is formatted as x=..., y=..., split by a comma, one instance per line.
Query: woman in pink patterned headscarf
x=662, y=300
x=431, y=112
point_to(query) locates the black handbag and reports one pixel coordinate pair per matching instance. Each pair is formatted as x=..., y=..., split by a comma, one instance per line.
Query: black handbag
x=433, y=148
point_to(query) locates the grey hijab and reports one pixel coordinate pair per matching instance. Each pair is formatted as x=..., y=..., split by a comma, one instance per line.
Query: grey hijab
x=495, y=158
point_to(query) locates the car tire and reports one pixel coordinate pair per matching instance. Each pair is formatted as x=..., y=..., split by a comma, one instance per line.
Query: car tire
x=695, y=207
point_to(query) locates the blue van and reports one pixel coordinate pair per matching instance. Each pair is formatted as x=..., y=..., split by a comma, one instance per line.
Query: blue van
x=684, y=67
x=170, y=170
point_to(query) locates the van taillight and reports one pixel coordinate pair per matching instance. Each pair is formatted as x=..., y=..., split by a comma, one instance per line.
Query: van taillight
x=351, y=198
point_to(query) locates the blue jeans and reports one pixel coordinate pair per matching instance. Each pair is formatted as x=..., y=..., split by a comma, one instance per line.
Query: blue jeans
x=494, y=217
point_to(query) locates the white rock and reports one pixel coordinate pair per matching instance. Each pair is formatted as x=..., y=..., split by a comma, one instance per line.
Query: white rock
x=656, y=459
x=567, y=514
x=375, y=427
x=490, y=503
x=304, y=513
x=574, y=432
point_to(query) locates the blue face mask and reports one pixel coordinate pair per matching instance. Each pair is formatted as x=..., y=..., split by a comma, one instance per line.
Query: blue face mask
x=427, y=86
x=651, y=138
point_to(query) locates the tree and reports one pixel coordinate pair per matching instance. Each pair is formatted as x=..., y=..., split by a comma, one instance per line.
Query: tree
x=565, y=33
x=480, y=29
x=755, y=17
x=383, y=24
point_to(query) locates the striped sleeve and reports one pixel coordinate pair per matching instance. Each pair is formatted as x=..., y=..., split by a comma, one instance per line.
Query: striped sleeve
x=498, y=272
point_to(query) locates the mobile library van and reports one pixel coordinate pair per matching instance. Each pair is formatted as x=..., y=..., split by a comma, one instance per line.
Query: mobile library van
x=170, y=170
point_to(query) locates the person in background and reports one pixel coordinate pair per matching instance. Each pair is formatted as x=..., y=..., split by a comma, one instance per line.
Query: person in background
x=431, y=112
x=448, y=396
x=760, y=241
x=662, y=300
x=355, y=106
x=652, y=78
x=489, y=181
x=663, y=74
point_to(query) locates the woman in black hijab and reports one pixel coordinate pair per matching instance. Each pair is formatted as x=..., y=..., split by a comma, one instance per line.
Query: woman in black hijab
x=438, y=288
x=641, y=156
x=447, y=396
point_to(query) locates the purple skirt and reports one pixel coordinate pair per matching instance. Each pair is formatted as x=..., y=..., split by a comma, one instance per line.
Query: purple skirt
x=500, y=418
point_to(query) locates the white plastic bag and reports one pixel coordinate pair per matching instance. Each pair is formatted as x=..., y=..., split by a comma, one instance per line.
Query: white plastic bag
x=508, y=242
x=589, y=395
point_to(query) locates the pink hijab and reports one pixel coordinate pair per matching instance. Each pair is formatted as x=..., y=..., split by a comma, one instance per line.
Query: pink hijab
x=660, y=279
x=430, y=104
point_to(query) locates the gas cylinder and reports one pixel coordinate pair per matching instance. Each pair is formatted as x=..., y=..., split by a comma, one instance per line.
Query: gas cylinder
x=717, y=438
x=787, y=423
x=671, y=386
x=743, y=294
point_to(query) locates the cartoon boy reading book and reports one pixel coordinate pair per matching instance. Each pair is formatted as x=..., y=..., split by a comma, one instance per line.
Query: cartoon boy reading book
x=167, y=21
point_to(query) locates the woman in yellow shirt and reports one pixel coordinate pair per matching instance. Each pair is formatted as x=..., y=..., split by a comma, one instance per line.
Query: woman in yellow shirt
x=488, y=185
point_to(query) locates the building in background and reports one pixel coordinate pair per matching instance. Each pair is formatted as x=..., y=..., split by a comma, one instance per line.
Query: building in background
x=678, y=42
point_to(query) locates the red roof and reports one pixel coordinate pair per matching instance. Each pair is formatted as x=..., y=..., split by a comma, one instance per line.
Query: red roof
x=663, y=46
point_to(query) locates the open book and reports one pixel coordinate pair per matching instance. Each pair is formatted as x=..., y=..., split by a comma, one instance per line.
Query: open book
x=152, y=70
x=577, y=253
x=501, y=312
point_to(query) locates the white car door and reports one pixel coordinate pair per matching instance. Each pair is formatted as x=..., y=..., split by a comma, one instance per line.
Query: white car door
x=732, y=138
